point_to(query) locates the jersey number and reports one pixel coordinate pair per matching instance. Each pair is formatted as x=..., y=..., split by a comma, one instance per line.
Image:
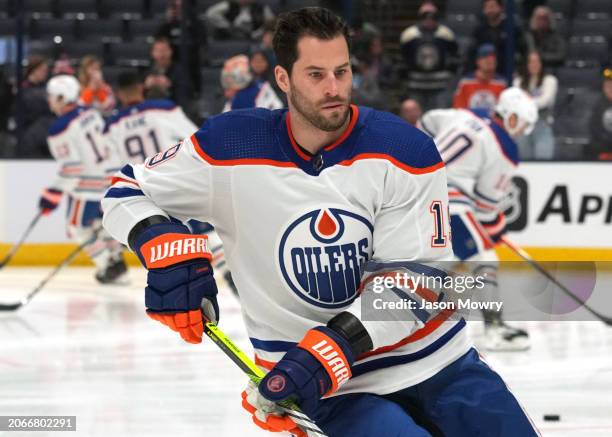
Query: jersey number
x=438, y=238
x=134, y=145
x=451, y=149
x=162, y=157
x=92, y=143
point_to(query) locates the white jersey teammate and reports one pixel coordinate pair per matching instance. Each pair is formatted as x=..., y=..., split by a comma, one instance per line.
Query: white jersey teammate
x=75, y=141
x=303, y=199
x=143, y=128
x=481, y=156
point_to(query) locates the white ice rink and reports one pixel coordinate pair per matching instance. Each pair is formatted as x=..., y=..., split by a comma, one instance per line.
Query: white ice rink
x=89, y=351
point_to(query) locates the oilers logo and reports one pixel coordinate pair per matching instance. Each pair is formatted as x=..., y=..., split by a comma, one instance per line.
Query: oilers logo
x=321, y=255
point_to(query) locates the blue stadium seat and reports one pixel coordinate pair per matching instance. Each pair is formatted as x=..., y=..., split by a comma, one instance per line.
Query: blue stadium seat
x=588, y=49
x=561, y=7
x=40, y=8
x=594, y=6
x=141, y=29
x=122, y=8
x=46, y=28
x=133, y=53
x=465, y=7
x=4, y=8
x=98, y=29
x=111, y=73
x=7, y=26
x=212, y=93
x=219, y=51
x=462, y=24
x=572, y=77
x=77, y=49
x=157, y=8
x=568, y=148
x=74, y=8
x=290, y=5
x=586, y=27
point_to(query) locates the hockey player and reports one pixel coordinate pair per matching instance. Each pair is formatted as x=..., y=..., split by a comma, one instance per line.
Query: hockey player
x=242, y=91
x=142, y=127
x=302, y=198
x=75, y=141
x=481, y=156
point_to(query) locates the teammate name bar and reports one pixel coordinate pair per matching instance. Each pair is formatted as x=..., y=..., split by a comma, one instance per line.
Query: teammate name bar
x=37, y=423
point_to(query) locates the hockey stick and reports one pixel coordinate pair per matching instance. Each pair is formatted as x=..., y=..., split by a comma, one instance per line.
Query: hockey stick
x=255, y=374
x=523, y=254
x=15, y=306
x=16, y=247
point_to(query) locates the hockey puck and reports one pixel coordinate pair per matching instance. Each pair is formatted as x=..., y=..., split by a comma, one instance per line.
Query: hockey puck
x=552, y=417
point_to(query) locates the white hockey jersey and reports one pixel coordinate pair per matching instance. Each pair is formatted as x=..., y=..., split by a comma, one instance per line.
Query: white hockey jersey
x=480, y=157
x=76, y=142
x=146, y=128
x=298, y=228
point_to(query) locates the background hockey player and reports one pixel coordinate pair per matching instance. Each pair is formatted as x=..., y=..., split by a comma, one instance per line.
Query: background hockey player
x=75, y=141
x=302, y=199
x=242, y=91
x=481, y=155
x=142, y=127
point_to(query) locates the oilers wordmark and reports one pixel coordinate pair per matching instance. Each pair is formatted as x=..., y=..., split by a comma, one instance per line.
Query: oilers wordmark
x=321, y=255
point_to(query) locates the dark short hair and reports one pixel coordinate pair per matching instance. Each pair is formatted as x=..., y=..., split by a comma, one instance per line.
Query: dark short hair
x=318, y=22
x=163, y=39
x=128, y=80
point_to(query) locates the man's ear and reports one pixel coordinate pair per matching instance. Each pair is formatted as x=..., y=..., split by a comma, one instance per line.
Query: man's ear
x=282, y=78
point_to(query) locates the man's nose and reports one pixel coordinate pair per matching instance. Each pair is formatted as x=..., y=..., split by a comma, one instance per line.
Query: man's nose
x=331, y=85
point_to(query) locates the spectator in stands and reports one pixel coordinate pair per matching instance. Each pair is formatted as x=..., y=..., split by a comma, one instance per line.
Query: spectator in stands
x=37, y=117
x=94, y=90
x=243, y=91
x=430, y=52
x=165, y=78
x=481, y=89
x=238, y=19
x=373, y=73
x=262, y=62
x=540, y=144
x=267, y=36
x=411, y=111
x=601, y=122
x=62, y=65
x=195, y=39
x=492, y=30
x=262, y=65
x=544, y=37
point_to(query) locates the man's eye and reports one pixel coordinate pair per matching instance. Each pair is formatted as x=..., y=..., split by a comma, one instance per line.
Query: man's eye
x=315, y=74
x=341, y=72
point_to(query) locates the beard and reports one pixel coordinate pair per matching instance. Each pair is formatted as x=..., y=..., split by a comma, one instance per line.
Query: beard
x=313, y=114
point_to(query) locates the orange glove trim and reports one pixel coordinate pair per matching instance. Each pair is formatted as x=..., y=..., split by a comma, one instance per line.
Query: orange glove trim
x=330, y=355
x=168, y=249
